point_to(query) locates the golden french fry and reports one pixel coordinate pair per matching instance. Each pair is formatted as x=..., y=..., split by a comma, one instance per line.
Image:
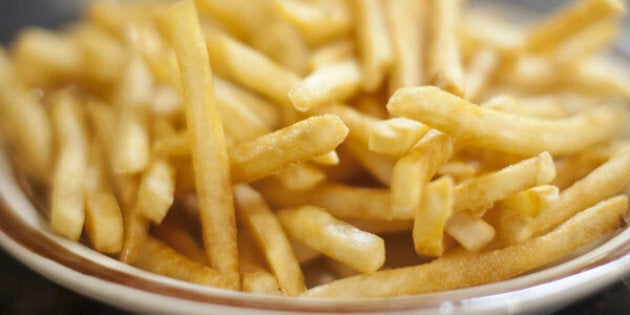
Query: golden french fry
x=330, y=158
x=318, y=229
x=250, y=68
x=264, y=227
x=568, y=20
x=395, y=136
x=327, y=84
x=373, y=42
x=406, y=24
x=156, y=257
x=300, y=176
x=342, y=201
x=318, y=21
x=445, y=65
x=479, y=73
x=491, y=129
x=474, y=193
x=131, y=153
x=24, y=123
x=431, y=217
x=298, y=142
x=267, y=112
x=102, y=55
x=605, y=181
x=67, y=205
x=468, y=270
x=413, y=170
x=283, y=43
x=332, y=52
x=156, y=190
x=574, y=167
x=103, y=217
x=470, y=231
x=378, y=165
x=207, y=141
x=43, y=57
x=255, y=275
x=243, y=18
x=531, y=201
x=174, y=234
x=103, y=221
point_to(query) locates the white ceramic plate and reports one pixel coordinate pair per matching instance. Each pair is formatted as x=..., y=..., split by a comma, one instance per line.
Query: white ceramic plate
x=25, y=234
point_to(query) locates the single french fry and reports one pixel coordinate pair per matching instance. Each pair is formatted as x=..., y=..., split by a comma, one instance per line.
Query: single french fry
x=103, y=216
x=474, y=192
x=482, y=28
x=243, y=18
x=46, y=58
x=470, y=231
x=605, y=181
x=318, y=229
x=174, y=234
x=373, y=42
x=469, y=270
x=156, y=190
x=491, y=129
x=342, y=201
x=568, y=20
x=318, y=21
x=330, y=53
x=435, y=208
x=104, y=221
x=298, y=142
x=255, y=275
x=378, y=165
x=406, y=24
x=300, y=176
x=531, y=201
x=358, y=122
x=267, y=112
x=264, y=227
x=587, y=42
x=458, y=170
x=599, y=77
x=207, y=141
x=330, y=158
x=234, y=116
x=396, y=136
x=327, y=84
x=574, y=167
x=244, y=65
x=156, y=257
x=134, y=94
x=67, y=205
x=479, y=73
x=102, y=56
x=413, y=170
x=24, y=123
x=445, y=65
x=283, y=43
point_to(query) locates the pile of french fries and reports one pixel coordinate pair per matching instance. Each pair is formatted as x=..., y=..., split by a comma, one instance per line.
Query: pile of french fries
x=324, y=148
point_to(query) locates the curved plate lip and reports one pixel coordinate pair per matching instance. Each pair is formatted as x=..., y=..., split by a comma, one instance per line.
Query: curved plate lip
x=24, y=233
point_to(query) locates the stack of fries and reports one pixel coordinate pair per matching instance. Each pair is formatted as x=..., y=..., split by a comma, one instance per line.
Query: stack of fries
x=404, y=146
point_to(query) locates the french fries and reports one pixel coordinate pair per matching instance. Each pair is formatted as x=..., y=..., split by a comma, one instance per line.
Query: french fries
x=325, y=148
x=216, y=208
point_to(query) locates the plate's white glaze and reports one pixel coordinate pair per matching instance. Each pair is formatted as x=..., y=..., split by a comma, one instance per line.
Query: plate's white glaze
x=24, y=233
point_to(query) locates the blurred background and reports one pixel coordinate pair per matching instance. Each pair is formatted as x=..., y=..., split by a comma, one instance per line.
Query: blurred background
x=24, y=292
